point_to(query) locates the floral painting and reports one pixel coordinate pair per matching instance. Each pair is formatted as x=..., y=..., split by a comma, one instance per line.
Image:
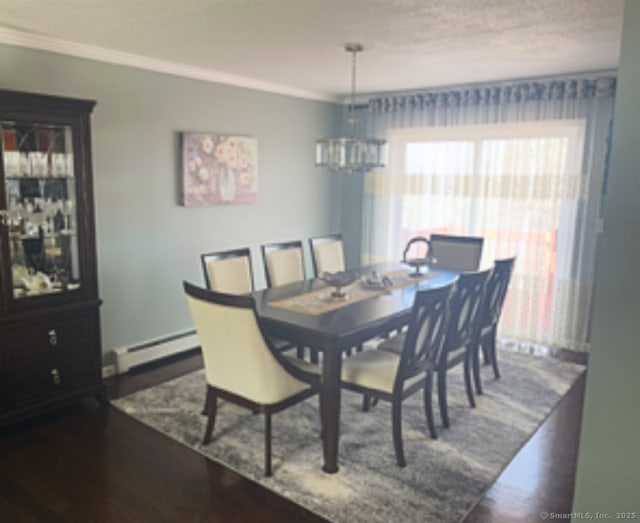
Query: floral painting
x=219, y=169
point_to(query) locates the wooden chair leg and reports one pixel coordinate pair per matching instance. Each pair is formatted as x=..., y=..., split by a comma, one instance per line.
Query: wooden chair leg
x=212, y=409
x=205, y=409
x=467, y=377
x=368, y=402
x=493, y=353
x=428, y=405
x=396, y=420
x=313, y=355
x=322, y=424
x=267, y=444
x=300, y=353
x=485, y=353
x=476, y=368
x=442, y=396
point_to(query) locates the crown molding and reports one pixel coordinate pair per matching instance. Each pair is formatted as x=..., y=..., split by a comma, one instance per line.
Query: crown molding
x=101, y=54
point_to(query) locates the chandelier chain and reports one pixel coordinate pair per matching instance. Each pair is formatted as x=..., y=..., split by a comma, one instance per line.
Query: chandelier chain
x=352, y=119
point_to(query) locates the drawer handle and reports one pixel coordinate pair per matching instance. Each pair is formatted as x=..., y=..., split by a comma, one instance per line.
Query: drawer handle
x=53, y=337
x=55, y=375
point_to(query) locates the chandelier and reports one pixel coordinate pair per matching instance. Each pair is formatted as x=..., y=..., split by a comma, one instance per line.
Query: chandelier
x=348, y=153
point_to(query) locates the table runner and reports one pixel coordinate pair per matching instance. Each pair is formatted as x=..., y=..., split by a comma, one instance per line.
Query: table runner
x=320, y=301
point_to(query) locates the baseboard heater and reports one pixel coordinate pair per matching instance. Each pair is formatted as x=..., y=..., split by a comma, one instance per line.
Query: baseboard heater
x=129, y=357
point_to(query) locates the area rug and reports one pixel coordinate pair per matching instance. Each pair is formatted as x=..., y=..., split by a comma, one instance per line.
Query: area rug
x=443, y=479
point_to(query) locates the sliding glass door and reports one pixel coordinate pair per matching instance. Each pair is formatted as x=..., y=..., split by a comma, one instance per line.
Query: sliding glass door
x=517, y=185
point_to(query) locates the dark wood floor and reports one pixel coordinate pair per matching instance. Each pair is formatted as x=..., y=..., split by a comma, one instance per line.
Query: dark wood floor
x=90, y=464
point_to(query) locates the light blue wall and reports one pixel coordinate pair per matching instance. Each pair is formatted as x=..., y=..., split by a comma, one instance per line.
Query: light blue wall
x=352, y=194
x=608, y=475
x=351, y=218
x=147, y=242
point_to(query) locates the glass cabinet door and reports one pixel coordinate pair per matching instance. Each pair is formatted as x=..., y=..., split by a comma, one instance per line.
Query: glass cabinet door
x=40, y=193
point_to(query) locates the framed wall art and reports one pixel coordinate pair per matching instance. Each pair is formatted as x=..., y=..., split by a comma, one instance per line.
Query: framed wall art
x=218, y=169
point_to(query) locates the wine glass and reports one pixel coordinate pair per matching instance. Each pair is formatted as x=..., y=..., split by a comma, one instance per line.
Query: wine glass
x=15, y=212
x=67, y=209
x=30, y=219
x=49, y=211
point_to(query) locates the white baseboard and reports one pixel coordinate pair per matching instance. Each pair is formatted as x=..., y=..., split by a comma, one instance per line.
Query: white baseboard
x=129, y=357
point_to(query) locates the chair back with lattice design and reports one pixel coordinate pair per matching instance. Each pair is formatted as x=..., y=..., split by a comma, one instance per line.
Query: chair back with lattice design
x=497, y=291
x=427, y=329
x=466, y=309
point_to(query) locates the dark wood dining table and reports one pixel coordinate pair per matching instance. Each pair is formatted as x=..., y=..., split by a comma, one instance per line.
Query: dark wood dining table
x=334, y=332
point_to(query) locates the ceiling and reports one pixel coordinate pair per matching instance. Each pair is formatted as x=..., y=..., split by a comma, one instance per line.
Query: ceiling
x=296, y=46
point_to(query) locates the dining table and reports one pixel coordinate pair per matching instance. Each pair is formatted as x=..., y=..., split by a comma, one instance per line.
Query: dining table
x=306, y=314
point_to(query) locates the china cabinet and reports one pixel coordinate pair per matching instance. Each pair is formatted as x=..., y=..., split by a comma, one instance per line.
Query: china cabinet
x=49, y=306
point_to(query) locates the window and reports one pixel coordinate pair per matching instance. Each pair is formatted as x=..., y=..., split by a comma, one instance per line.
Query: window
x=518, y=186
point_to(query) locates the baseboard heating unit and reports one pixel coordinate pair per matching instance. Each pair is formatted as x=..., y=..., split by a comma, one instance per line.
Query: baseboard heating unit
x=129, y=357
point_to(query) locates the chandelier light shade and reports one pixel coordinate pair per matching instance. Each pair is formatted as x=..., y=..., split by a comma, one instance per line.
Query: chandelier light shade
x=351, y=154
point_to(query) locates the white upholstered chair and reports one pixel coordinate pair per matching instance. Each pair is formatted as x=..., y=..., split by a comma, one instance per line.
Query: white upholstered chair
x=283, y=262
x=394, y=376
x=241, y=365
x=327, y=254
x=455, y=253
x=228, y=271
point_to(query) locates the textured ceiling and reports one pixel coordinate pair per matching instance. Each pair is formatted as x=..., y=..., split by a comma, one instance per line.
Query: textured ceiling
x=299, y=43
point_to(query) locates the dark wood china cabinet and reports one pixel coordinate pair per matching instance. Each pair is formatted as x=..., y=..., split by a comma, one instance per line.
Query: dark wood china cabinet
x=50, y=351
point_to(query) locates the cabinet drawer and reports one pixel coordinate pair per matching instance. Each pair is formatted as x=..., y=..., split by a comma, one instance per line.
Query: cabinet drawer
x=53, y=334
x=54, y=376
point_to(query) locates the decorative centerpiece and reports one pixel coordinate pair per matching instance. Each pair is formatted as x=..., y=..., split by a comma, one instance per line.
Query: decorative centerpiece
x=417, y=263
x=338, y=280
x=373, y=281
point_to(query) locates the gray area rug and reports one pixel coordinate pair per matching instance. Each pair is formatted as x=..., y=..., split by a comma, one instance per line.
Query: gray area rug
x=443, y=478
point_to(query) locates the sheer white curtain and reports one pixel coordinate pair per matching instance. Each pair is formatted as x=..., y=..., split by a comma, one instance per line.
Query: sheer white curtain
x=521, y=165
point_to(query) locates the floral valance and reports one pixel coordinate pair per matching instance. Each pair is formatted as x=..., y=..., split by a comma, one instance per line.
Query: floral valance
x=498, y=94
